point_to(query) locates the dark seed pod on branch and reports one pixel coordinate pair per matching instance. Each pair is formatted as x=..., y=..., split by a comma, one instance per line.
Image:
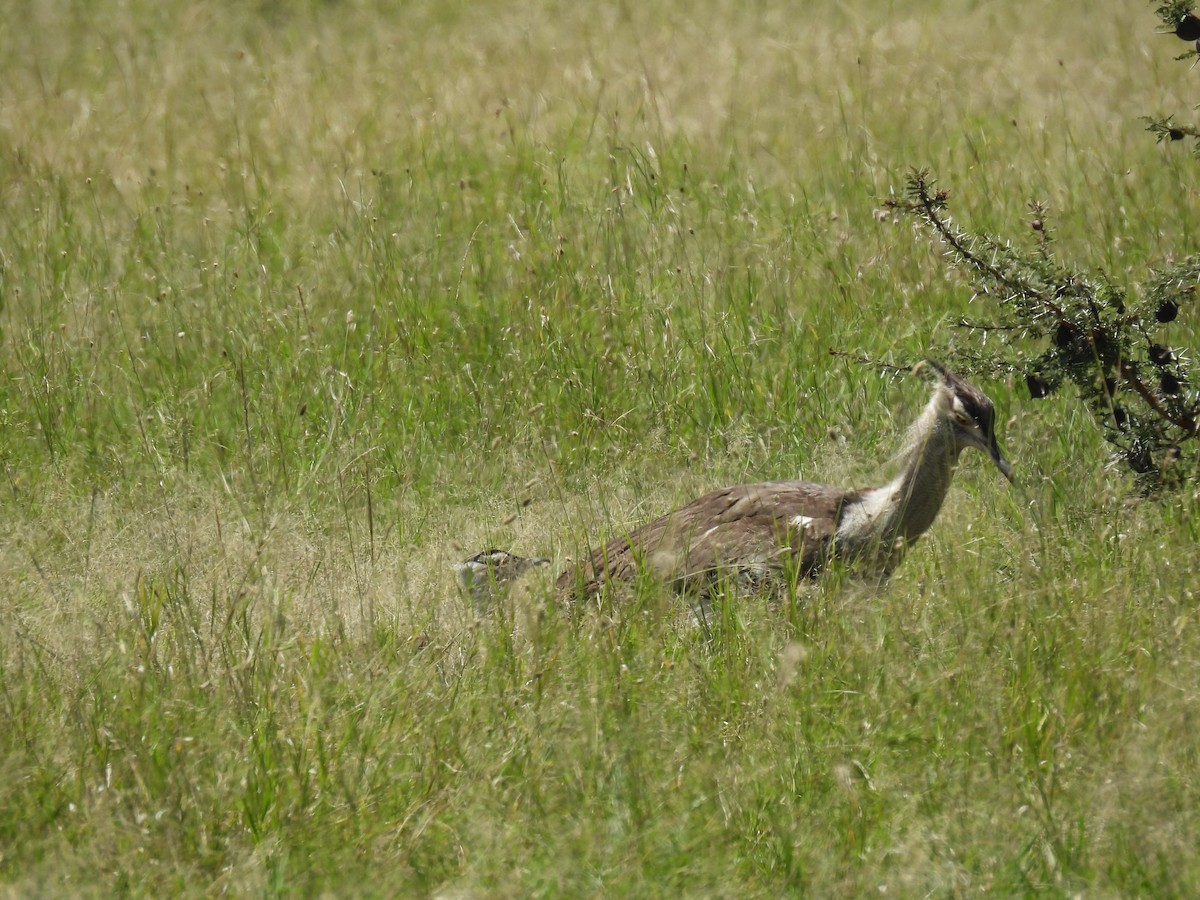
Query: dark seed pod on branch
x=1169, y=384
x=1188, y=28
x=1102, y=342
x=1167, y=311
x=1064, y=334
x=1175, y=134
x=1120, y=417
x=1160, y=355
x=1039, y=387
x=1139, y=458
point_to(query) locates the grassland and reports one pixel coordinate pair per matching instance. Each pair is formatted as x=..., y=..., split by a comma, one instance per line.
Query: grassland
x=302, y=302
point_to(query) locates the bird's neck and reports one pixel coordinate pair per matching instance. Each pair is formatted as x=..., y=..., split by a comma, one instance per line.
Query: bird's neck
x=904, y=508
x=917, y=493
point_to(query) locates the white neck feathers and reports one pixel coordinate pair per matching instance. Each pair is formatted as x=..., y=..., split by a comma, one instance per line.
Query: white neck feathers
x=904, y=508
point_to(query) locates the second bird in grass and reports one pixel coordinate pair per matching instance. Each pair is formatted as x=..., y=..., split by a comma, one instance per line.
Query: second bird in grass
x=754, y=533
x=483, y=574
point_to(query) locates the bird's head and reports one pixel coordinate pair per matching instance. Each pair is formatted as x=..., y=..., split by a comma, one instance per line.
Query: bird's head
x=970, y=413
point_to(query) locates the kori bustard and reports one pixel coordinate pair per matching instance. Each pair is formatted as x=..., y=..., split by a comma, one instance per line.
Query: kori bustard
x=756, y=532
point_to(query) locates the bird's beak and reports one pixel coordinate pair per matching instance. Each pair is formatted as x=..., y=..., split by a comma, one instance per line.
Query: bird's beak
x=1002, y=464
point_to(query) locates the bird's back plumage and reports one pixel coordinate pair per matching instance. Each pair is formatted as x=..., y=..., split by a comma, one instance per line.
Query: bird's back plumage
x=760, y=528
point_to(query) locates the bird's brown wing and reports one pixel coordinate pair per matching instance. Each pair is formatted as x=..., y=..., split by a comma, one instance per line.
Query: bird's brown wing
x=767, y=526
